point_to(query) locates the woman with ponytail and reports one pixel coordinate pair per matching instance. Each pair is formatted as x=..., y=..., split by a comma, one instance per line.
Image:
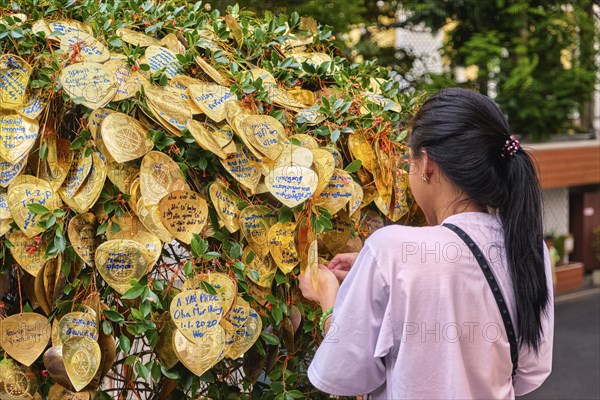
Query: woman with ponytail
x=460, y=309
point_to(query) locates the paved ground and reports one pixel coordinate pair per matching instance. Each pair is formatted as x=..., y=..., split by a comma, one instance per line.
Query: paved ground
x=576, y=365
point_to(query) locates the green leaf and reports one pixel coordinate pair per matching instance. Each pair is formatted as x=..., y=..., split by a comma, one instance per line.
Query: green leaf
x=114, y=316
x=124, y=343
x=106, y=327
x=353, y=166
x=169, y=373
x=208, y=288
x=133, y=293
x=270, y=338
x=254, y=274
x=38, y=209
x=295, y=394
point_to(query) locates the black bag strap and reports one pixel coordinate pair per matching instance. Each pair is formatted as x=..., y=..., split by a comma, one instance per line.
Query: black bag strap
x=491, y=280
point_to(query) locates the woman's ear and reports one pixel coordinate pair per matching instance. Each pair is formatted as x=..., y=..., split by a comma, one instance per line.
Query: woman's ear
x=427, y=164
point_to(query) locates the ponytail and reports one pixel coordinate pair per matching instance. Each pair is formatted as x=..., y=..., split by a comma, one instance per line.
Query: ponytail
x=521, y=216
x=466, y=134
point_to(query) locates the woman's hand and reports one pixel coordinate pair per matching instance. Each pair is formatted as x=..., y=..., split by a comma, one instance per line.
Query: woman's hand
x=327, y=289
x=340, y=265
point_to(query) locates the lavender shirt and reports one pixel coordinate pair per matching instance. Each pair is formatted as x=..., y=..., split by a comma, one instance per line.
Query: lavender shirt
x=416, y=319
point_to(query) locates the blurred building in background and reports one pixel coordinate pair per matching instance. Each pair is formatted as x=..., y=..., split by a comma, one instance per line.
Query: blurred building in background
x=568, y=165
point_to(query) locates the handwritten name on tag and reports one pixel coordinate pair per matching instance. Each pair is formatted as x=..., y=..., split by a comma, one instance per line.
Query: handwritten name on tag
x=184, y=213
x=211, y=99
x=91, y=82
x=14, y=78
x=120, y=261
x=129, y=82
x=25, y=336
x=17, y=136
x=243, y=166
x=225, y=202
x=337, y=193
x=161, y=57
x=84, y=47
x=265, y=134
x=282, y=246
x=292, y=185
x=195, y=312
x=9, y=170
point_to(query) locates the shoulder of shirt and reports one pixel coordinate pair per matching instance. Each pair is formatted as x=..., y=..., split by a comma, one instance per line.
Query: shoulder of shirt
x=397, y=234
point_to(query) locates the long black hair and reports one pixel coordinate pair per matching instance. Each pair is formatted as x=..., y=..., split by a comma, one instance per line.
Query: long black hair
x=465, y=133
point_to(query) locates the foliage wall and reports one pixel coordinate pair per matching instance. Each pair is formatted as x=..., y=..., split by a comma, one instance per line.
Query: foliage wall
x=167, y=172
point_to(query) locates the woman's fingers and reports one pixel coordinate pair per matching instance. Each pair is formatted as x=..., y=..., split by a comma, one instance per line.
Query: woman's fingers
x=342, y=261
x=339, y=274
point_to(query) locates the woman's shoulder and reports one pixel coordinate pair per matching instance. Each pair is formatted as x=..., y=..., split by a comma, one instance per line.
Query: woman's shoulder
x=397, y=234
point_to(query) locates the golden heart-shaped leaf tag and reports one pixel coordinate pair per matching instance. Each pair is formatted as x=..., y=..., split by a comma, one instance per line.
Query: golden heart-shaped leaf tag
x=18, y=135
x=128, y=81
x=120, y=261
x=27, y=252
x=255, y=222
x=60, y=157
x=77, y=78
x=292, y=185
x=202, y=133
x=89, y=192
x=211, y=99
x=225, y=202
x=88, y=47
x=181, y=83
x=35, y=104
x=370, y=222
x=25, y=336
x=136, y=38
x=78, y=324
x=248, y=326
x=209, y=69
x=9, y=170
x=32, y=191
x=122, y=175
x=82, y=235
x=14, y=79
x=169, y=108
x=243, y=166
x=151, y=242
x=282, y=246
x=324, y=165
x=159, y=175
x=125, y=137
x=294, y=155
x=313, y=263
x=265, y=134
x=150, y=217
x=337, y=193
x=58, y=392
x=55, y=365
x=264, y=267
x=335, y=239
x=184, y=213
x=79, y=171
x=195, y=312
x=223, y=285
x=160, y=57
x=82, y=360
x=164, y=346
x=17, y=381
x=355, y=202
x=203, y=354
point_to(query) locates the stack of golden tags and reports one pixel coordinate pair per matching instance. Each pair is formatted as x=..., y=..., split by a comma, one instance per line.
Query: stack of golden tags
x=209, y=322
x=264, y=164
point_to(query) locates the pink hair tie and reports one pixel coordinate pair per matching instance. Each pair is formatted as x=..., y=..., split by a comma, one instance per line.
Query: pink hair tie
x=511, y=146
